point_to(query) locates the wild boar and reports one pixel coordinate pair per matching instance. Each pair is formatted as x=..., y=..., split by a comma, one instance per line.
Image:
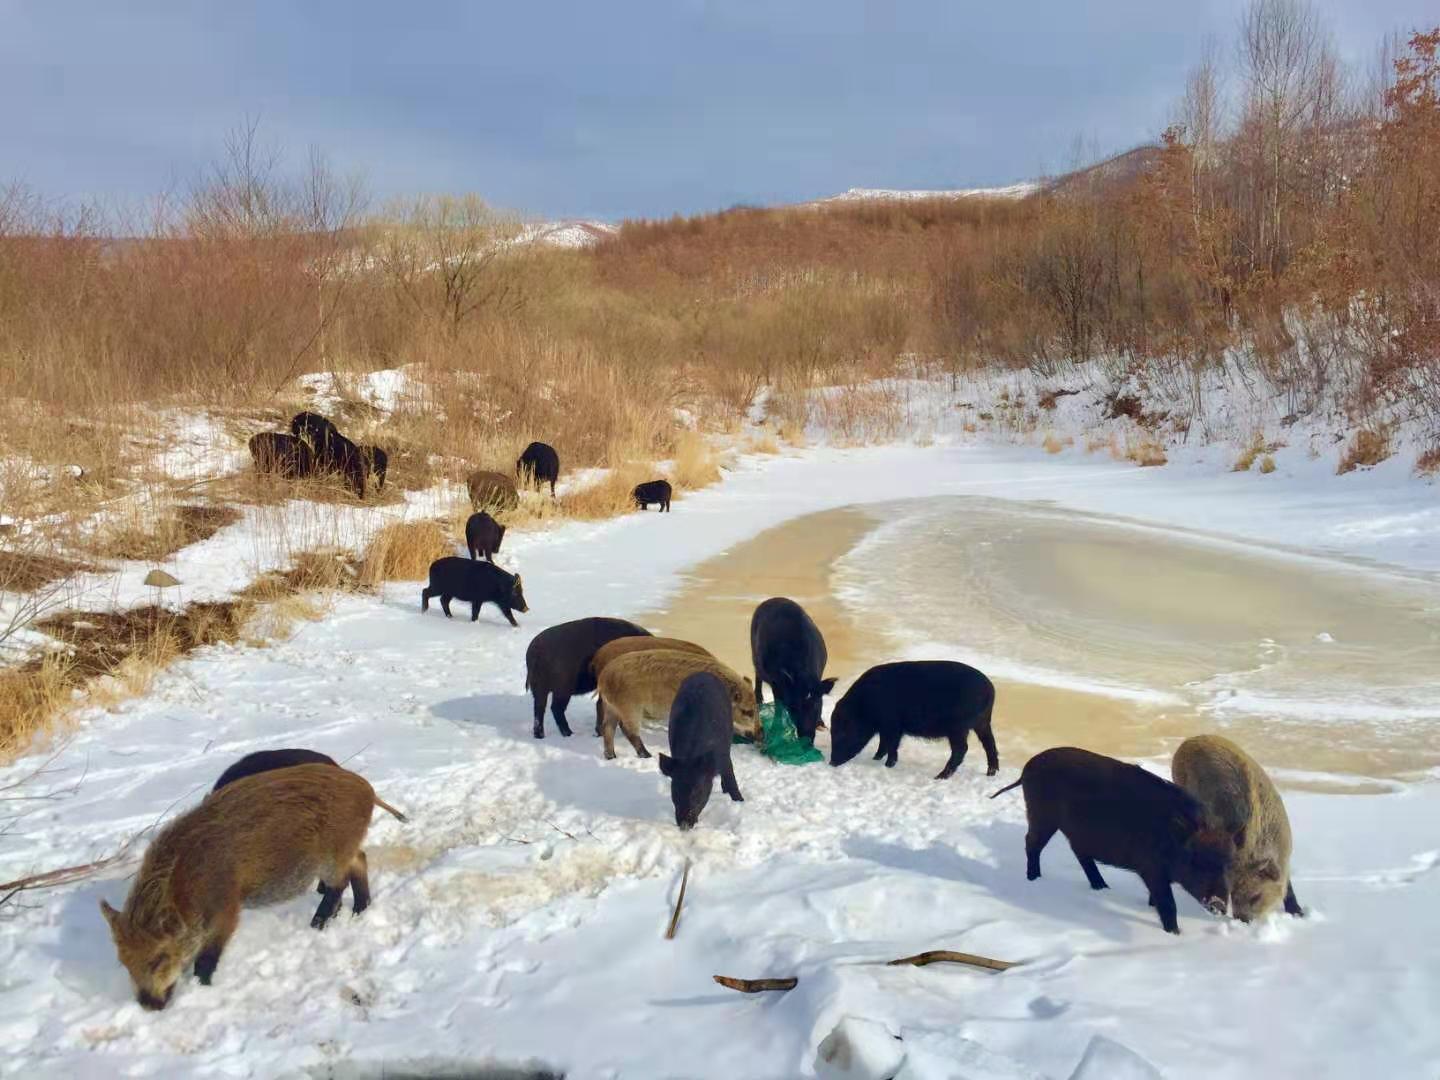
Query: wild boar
x=1121, y=815
x=492, y=491
x=700, y=731
x=931, y=699
x=266, y=760
x=258, y=841
x=377, y=462
x=788, y=651
x=622, y=646
x=558, y=659
x=653, y=491
x=537, y=464
x=1240, y=798
x=478, y=583
x=643, y=685
x=483, y=535
x=315, y=429
x=281, y=454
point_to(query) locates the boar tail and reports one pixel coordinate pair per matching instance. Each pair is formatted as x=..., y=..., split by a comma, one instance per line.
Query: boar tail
x=386, y=806
x=1006, y=788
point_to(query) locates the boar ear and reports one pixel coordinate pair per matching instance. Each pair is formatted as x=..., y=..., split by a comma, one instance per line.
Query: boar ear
x=517, y=581
x=666, y=765
x=746, y=680
x=1269, y=870
x=111, y=915
x=826, y=685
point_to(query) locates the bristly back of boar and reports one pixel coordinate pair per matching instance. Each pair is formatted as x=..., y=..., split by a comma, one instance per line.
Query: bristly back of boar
x=259, y=840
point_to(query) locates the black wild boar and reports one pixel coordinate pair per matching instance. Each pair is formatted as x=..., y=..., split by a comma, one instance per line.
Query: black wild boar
x=315, y=429
x=539, y=463
x=281, y=454
x=377, y=462
x=653, y=491
x=789, y=654
x=483, y=535
x=932, y=699
x=557, y=663
x=1121, y=815
x=339, y=455
x=454, y=578
x=265, y=760
x=700, y=732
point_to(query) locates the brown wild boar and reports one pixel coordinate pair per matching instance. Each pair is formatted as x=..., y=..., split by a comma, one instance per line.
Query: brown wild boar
x=643, y=685
x=621, y=646
x=257, y=841
x=624, y=646
x=1241, y=799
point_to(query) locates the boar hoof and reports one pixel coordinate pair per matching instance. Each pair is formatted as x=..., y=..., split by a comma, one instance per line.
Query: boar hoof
x=643, y=753
x=609, y=755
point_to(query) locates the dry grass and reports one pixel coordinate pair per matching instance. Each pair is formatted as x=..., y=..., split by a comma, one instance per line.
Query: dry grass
x=1253, y=449
x=695, y=463
x=146, y=536
x=404, y=551
x=762, y=443
x=1369, y=448
x=611, y=495
x=1428, y=463
x=1267, y=464
x=109, y=656
x=1104, y=441
x=1144, y=451
x=1053, y=445
x=28, y=571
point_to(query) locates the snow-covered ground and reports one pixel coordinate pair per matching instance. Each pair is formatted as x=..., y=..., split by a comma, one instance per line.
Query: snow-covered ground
x=1007, y=191
x=519, y=916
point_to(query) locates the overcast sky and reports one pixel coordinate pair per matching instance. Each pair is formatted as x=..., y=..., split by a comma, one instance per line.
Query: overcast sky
x=607, y=108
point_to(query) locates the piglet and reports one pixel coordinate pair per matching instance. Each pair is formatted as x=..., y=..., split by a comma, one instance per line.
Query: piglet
x=700, y=732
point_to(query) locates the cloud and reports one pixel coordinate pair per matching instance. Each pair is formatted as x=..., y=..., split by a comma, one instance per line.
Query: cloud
x=642, y=108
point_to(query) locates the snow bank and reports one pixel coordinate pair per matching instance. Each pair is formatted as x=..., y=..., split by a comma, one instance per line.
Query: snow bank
x=519, y=916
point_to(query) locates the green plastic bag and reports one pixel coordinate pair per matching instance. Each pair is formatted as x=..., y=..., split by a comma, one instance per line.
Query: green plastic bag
x=782, y=743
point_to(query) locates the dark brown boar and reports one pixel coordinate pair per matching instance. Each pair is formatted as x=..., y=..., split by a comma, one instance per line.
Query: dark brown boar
x=1121, y=815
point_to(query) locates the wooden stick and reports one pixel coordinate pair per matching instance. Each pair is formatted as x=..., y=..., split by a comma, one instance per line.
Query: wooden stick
x=755, y=986
x=945, y=956
x=675, y=916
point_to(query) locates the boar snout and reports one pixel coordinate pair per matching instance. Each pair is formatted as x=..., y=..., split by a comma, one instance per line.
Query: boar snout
x=1216, y=905
x=153, y=1003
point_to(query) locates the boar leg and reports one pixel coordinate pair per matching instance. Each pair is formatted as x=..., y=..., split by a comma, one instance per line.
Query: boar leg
x=958, y=745
x=475, y=610
x=1292, y=906
x=209, y=956
x=445, y=604
x=632, y=732
x=599, y=715
x=880, y=750
x=329, y=904
x=509, y=615
x=1163, y=897
x=539, y=698
x=987, y=740
x=728, y=783
x=759, y=687
x=1092, y=872
x=424, y=601
x=1035, y=840
x=607, y=727
x=557, y=710
x=359, y=883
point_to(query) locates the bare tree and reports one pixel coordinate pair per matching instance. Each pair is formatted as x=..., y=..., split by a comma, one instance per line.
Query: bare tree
x=443, y=254
x=1294, y=85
